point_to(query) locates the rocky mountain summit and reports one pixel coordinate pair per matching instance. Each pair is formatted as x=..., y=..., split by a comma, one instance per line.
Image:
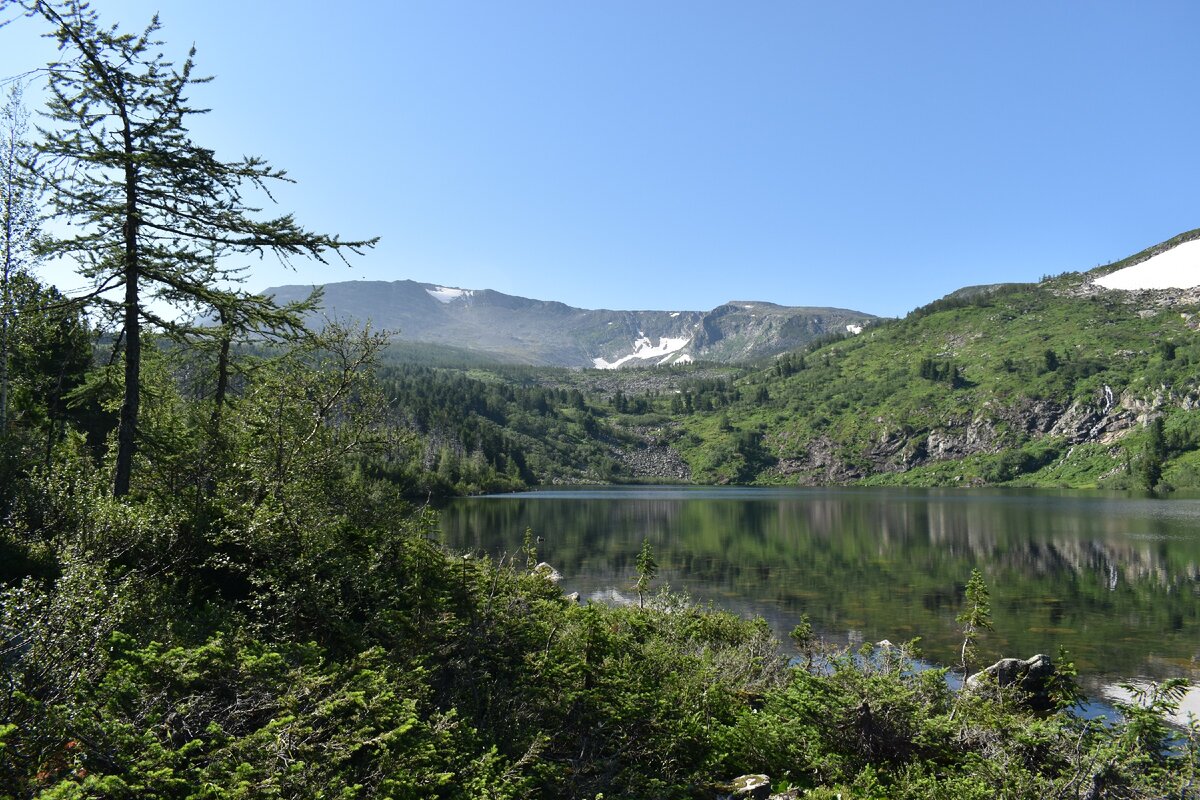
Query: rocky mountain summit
x=521, y=330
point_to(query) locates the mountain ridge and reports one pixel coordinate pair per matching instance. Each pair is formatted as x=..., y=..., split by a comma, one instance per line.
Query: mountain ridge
x=552, y=333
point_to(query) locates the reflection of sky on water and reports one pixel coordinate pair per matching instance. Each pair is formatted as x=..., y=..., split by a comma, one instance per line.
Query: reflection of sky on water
x=1102, y=694
x=1189, y=706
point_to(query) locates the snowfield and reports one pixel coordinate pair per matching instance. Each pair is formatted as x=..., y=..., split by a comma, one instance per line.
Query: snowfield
x=445, y=294
x=855, y=329
x=1177, y=268
x=644, y=349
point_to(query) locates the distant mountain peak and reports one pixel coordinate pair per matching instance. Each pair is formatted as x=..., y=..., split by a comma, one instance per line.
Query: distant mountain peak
x=542, y=332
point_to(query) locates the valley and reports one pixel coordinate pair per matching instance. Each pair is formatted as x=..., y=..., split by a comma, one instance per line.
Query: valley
x=1062, y=383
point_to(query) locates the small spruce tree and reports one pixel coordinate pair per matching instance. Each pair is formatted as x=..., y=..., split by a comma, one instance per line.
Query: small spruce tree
x=647, y=569
x=976, y=617
x=1153, y=455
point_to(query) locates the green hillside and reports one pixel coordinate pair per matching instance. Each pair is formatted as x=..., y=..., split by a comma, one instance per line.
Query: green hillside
x=1054, y=383
x=1059, y=383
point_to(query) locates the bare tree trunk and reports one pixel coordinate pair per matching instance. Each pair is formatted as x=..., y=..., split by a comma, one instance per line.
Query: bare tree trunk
x=9, y=211
x=127, y=429
x=222, y=374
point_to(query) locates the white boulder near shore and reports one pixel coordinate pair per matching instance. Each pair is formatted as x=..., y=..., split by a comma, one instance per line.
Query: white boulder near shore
x=1177, y=268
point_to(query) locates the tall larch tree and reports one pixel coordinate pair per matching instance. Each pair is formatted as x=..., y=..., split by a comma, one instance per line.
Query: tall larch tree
x=152, y=215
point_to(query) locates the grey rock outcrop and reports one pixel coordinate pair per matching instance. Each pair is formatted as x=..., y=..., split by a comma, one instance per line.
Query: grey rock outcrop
x=1033, y=676
x=551, y=574
x=746, y=787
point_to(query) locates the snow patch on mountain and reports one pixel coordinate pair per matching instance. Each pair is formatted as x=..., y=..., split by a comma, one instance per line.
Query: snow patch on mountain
x=447, y=294
x=855, y=329
x=645, y=349
x=1177, y=268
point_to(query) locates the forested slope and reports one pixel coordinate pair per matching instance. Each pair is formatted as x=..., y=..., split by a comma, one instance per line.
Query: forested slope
x=1056, y=383
x=1059, y=383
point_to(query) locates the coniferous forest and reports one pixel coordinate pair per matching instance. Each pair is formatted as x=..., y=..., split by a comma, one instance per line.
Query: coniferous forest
x=220, y=575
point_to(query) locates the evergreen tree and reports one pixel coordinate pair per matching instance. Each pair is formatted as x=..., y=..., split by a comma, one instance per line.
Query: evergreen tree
x=976, y=617
x=1153, y=456
x=1051, y=360
x=647, y=570
x=49, y=355
x=18, y=227
x=155, y=215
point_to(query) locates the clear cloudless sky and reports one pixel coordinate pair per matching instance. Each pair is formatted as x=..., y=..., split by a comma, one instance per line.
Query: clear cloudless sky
x=677, y=154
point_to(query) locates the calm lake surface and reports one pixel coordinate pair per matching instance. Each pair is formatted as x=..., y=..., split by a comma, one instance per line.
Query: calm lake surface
x=1115, y=580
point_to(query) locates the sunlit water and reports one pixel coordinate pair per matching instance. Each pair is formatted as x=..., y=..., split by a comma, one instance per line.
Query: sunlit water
x=1114, y=579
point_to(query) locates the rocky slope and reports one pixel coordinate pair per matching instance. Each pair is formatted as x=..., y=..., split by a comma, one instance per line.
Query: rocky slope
x=1050, y=383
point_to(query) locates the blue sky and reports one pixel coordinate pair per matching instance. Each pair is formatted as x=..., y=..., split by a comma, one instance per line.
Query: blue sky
x=676, y=155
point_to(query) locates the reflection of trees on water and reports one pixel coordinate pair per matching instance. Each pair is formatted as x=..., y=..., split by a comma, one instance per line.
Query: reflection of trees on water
x=1114, y=580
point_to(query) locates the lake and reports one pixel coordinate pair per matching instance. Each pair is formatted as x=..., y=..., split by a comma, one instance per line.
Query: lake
x=1114, y=579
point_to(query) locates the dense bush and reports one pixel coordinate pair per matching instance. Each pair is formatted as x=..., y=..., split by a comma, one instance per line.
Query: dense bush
x=261, y=619
x=266, y=615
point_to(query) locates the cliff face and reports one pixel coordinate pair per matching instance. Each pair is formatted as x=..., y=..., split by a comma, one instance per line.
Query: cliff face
x=744, y=331
x=1104, y=421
